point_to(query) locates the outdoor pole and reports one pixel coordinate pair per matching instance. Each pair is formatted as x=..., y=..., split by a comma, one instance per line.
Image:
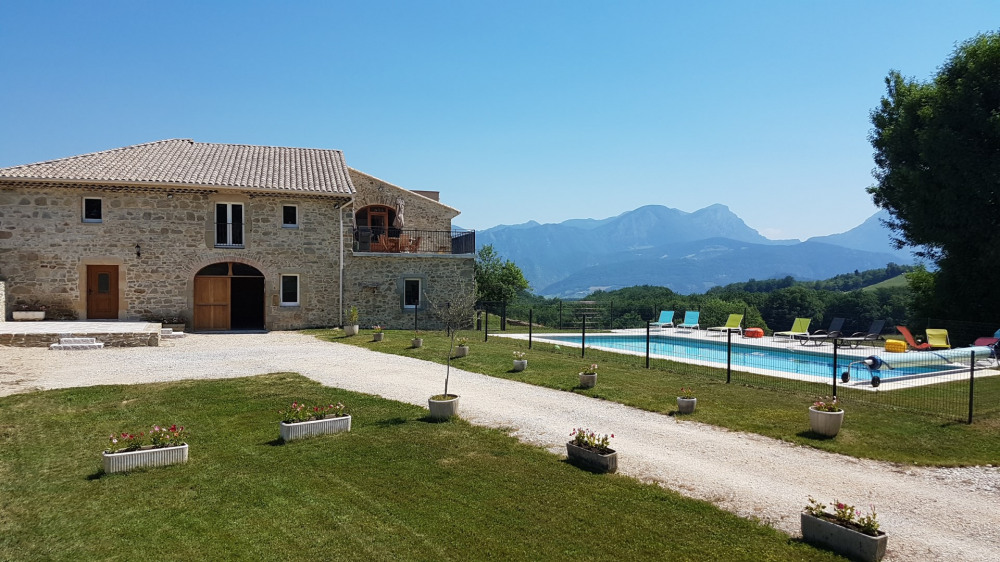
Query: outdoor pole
x=486, y=328
x=647, y=344
x=415, y=319
x=503, y=316
x=531, y=320
x=729, y=355
x=835, y=368
x=972, y=381
x=583, y=340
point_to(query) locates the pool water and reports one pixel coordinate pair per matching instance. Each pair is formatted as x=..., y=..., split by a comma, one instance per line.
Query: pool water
x=795, y=360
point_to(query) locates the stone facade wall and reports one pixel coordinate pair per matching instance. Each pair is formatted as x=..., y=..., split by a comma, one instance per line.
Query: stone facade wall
x=419, y=212
x=45, y=247
x=374, y=284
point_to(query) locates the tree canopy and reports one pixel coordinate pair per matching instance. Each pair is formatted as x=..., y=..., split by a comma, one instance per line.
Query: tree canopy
x=497, y=279
x=937, y=157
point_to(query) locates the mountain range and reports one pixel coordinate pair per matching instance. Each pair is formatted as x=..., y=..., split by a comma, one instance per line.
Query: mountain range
x=687, y=252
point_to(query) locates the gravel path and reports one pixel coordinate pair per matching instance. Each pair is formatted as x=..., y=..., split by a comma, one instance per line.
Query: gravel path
x=929, y=513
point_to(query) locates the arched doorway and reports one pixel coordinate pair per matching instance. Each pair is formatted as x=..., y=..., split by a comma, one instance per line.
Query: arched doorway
x=228, y=296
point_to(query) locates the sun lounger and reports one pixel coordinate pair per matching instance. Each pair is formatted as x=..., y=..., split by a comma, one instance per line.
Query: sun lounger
x=666, y=320
x=799, y=328
x=872, y=335
x=937, y=338
x=819, y=337
x=734, y=324
x=690, y=320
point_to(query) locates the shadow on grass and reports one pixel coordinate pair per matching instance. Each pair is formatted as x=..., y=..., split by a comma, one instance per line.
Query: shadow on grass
x=391, y=422
x=429, y=419
x=809, y=434
x=277, y=442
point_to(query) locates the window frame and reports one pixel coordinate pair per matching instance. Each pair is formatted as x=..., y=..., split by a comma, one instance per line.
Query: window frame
x=228, y=243
x=100, y=201
x=292, y=225
x=420, y=283
x=281, y=289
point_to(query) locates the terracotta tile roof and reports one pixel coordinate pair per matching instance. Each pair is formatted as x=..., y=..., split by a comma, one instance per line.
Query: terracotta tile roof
x=185, y=162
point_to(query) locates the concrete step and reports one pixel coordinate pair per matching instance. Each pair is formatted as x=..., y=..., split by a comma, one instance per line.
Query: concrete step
x=170, y=333
x=75, y=344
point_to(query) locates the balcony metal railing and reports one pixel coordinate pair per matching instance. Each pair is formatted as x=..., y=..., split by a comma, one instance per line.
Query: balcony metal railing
x=228, y=235
x=401, y=241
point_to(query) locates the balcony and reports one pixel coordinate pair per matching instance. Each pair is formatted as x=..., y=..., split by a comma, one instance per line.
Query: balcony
x=403, y=241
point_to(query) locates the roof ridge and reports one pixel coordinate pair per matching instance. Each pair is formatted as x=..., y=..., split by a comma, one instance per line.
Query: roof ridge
x=264, y=146
x=108, y=151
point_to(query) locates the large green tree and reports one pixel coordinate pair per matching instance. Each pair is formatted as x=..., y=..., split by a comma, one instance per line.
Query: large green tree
x=497, y=279
x=937, y=156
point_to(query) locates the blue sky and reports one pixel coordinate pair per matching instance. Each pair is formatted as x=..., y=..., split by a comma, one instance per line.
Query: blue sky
x=515, y=111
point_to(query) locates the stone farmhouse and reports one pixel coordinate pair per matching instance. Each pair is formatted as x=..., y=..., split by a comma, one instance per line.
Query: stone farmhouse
x=229, y=237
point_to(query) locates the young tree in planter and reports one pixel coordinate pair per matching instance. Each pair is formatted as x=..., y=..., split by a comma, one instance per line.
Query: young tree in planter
x=456, y=315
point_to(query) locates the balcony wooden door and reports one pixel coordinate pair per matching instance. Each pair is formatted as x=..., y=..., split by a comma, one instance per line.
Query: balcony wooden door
x=211, y=303
x=102, y=292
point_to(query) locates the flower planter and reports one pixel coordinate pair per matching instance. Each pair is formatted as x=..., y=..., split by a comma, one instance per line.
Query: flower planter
x=351, y=330
x=520, y=364
x=298, y=430
x=461, y=351
x=843, y=540
x=29, y=315
x=600, y=462
x=443, y=409
x=588, y=380
x=825, y=423
x=417, y=342
x=131, y=460
x=686, y=405
x=378, y=336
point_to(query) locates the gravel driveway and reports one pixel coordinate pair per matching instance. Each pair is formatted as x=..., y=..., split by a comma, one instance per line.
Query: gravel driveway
x=930, y=514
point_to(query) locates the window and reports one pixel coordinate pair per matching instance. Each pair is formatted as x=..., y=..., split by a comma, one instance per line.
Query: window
x=229, y=225
x=411, y=293
x=289, y=290
x=92, y=210
x=289, y=216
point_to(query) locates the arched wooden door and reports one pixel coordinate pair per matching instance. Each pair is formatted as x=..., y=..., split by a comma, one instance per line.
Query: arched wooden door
x=228, y=296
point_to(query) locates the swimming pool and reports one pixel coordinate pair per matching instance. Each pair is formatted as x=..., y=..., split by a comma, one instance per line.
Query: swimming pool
x=793, y=359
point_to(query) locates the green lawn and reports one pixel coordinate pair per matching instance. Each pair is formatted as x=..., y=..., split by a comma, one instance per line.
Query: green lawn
x=398, y=487
x=870, y=431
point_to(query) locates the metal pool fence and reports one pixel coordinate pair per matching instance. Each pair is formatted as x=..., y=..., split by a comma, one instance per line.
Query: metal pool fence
x=939, y=382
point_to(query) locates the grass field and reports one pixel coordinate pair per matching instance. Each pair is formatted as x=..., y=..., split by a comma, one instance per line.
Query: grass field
x=398, y=487
x=869, y=431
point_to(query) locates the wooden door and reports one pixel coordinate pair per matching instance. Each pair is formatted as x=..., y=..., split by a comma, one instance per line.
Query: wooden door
x=211, y=303
x=102, y=291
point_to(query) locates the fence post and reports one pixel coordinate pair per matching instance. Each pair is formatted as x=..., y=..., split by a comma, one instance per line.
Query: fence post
x=503, y=316
x=647, y=344
x=531, y=316
x=414, y=320
x=834, y=368
x=583, y=338
x=972, y=381
x=729, y=355
x=486, y=327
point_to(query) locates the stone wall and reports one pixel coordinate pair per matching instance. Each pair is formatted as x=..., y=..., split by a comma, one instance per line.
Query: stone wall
x=374, y=285
x=419, y=212
x=45, y=248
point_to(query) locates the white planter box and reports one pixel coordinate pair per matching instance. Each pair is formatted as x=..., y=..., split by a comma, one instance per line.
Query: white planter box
x=686, y=405
x=378, y=336
x=601, y=462
x=309, y=428
x=29, y=315
x=351, y=330
x=130, y=460
x=588, y=380
x=461, y=351
x=843, y=540
x=520, y=364
x=825, y=423
x=417, y=342
x=443, y=409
